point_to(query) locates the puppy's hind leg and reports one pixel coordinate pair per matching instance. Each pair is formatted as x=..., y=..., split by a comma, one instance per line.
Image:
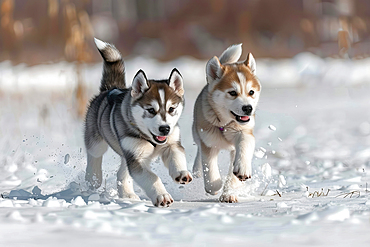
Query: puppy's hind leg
x=125, y=184
x=93, y=174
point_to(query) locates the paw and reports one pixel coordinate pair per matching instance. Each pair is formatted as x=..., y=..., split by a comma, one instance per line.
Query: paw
x=164, y=200
x=184, y=177
x=93, y=181
x=242, y=173
x=213, y=187
x=228, y=198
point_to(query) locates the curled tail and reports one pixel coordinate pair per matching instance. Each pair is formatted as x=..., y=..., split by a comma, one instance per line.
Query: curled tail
x=114, y=68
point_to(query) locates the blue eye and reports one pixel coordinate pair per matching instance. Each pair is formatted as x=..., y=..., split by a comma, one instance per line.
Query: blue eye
x=151, y=111
x=171, y=110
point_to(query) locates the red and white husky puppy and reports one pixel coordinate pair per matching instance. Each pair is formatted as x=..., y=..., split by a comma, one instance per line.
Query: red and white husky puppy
x=224, y=118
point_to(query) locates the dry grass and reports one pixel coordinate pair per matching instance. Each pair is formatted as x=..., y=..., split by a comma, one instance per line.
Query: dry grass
x=350, y=194
x=318, y=193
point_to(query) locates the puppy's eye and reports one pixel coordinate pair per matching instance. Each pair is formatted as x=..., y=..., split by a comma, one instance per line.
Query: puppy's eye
x=233, y=93
x=151, y=110
x=251, y=92
x=171, y=109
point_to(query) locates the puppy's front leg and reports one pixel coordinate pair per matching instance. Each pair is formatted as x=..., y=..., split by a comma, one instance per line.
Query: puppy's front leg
x=244, y=146
x=138, y=154
x=229, y=193
x=174, y=159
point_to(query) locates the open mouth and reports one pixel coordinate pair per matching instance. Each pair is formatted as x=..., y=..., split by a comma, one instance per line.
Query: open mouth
x=160, y=139
x=241, y=119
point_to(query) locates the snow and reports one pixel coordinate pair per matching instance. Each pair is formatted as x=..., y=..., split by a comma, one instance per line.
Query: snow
x=310, y=183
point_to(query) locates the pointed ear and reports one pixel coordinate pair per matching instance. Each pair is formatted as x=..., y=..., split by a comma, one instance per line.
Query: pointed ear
x=214, y=69
x=176, y=82
x=251, y=63
x=139, y=84
x=231, y=54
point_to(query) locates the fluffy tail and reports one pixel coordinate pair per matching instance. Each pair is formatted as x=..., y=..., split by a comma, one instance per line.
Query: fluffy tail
x=231, y=54
x=114, y=68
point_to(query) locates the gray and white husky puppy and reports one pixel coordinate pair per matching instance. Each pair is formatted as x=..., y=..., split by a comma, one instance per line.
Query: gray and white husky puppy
x=139, y=123
x=224, y=118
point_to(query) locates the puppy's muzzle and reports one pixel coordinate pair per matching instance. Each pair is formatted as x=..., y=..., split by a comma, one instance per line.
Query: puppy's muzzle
x=247, y=109
x=164, y=129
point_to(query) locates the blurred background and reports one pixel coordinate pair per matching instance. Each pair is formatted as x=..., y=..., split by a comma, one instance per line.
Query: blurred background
x=34, y=32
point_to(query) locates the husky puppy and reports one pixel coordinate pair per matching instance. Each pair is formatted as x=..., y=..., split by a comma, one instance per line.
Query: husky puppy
x=138, y=123
x=224, y=117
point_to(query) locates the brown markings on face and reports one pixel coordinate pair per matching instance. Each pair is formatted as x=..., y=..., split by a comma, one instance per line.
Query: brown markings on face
x=152, y=94
x=230, y=75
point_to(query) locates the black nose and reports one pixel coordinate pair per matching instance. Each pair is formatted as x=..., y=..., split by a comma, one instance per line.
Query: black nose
x=247, y=109
x=164, y=129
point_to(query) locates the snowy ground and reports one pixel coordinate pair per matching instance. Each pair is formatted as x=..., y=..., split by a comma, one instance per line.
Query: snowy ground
x=318, y=193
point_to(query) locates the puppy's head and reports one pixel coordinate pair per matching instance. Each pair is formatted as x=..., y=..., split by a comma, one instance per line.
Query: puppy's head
x=233, y=86
x=157, y=105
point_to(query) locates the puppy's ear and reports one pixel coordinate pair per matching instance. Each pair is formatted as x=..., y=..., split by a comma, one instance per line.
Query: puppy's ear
x=231, y=54
x=176, y=82
x=214, y=69
x=251, y=63
x=139, y=84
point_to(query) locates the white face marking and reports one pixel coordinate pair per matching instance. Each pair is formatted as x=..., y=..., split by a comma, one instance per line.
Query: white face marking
x=161, y=96
x=242, y=80
x=236, y=87
x=168, y=104
x=155, y=105
x=173, y=118
x=138, y=113
x=150, y=124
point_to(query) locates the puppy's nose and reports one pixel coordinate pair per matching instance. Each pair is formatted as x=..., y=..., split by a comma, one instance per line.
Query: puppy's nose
x=247, y=109
x=164, y=129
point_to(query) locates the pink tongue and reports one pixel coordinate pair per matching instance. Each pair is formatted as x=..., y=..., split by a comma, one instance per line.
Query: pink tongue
x=161, y=138
x=244, y=118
